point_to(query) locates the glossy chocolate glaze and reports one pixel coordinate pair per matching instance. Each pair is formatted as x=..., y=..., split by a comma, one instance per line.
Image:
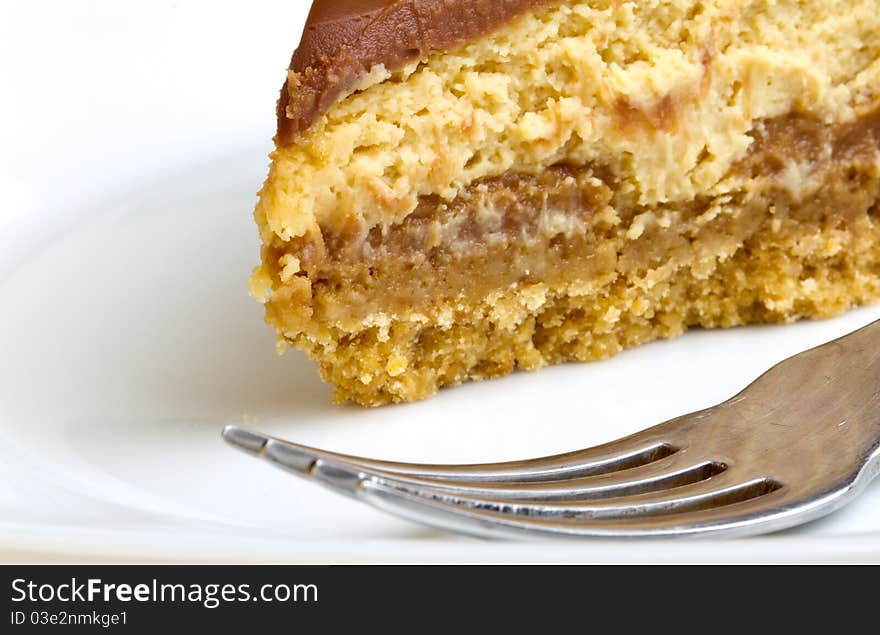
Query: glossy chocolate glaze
x=344, y=39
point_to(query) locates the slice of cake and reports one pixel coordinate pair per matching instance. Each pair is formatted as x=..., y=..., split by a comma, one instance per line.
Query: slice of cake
x=462, y=188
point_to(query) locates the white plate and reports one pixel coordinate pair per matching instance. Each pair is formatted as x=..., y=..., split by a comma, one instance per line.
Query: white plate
x=127, y=340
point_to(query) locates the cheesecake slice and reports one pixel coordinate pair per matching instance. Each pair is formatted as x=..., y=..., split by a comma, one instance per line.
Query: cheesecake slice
x=463, y=188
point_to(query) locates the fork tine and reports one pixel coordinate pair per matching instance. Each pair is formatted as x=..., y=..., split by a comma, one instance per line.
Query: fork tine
x=662, y=475
x=643, y=501
x=736, y=519
x=343, y=473
x=684, y=501
x=717, y=491
x=709, y=507
x=724, y=488
x=631, y=452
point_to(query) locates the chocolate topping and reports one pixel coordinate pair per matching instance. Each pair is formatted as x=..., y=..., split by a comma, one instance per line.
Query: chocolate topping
x=344, y=39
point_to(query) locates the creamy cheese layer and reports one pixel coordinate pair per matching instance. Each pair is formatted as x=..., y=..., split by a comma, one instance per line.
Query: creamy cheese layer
x=661, y=93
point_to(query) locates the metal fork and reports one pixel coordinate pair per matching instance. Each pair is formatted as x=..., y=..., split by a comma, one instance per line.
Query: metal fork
x=799, y=443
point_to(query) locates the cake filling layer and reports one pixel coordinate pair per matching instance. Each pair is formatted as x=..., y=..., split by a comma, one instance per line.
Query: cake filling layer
x=662, y=94
x=569, y=224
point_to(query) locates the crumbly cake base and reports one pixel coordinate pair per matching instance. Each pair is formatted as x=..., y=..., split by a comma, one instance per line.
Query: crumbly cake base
x=413, y=361
x=807, y=261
